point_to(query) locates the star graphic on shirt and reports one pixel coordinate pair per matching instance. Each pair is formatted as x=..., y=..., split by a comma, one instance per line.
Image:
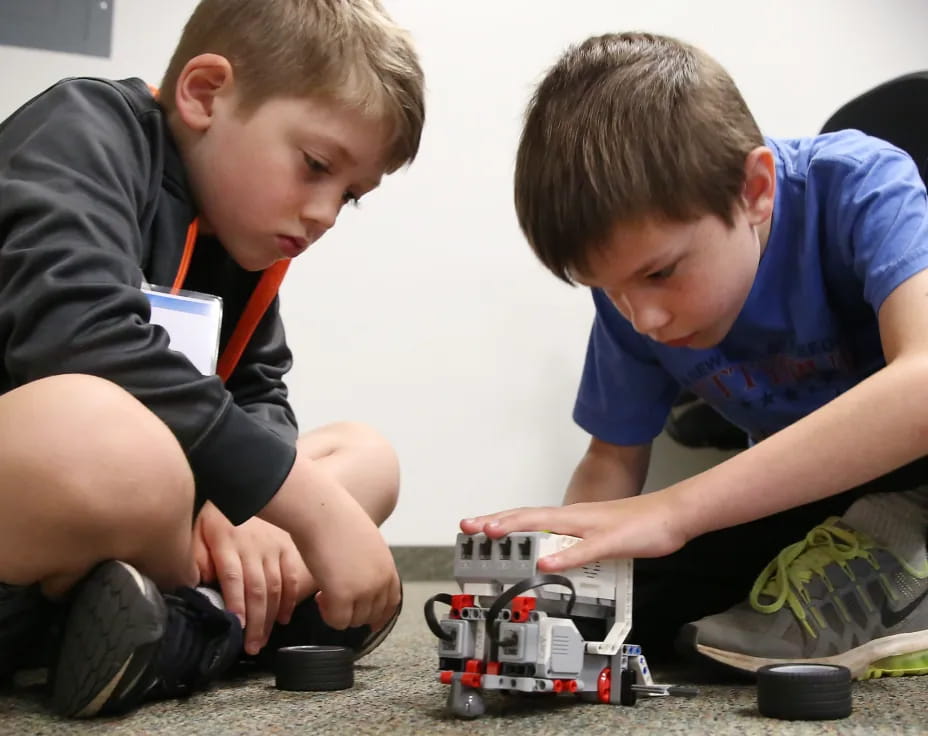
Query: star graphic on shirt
x=767, y=399
x=791, y=394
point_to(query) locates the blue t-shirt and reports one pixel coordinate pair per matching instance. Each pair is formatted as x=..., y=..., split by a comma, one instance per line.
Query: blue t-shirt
x=850, y=223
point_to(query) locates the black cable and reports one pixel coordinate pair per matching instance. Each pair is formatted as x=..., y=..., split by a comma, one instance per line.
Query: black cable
x=432, y=621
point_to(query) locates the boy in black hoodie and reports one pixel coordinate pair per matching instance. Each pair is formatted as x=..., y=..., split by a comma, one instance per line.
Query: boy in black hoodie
x=127, y=476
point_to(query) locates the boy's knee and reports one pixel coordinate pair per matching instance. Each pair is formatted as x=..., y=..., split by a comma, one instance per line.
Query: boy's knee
x=100, y=444
x=377, y=450
x=363, y=459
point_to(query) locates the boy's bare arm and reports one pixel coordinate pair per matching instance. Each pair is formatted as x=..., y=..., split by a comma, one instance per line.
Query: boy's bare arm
x=609, y=471
x=340, y=543
x=879, y=425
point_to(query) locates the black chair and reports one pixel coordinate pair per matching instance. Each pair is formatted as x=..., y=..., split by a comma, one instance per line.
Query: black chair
x=896, y=111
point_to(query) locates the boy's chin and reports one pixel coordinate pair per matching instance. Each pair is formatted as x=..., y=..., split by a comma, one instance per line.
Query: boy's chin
x=707, y=339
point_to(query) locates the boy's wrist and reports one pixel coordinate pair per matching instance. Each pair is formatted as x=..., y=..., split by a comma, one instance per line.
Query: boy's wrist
x=688, y=510
x=301, y=503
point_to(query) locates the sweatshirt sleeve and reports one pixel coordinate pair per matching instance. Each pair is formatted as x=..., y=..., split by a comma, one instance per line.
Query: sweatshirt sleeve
x=78, y=174
x=625, y=394
x=257, y=381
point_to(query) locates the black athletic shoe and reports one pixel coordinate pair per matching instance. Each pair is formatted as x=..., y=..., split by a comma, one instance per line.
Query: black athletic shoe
x=124, y=642
x=25, y=615
x=306, y=627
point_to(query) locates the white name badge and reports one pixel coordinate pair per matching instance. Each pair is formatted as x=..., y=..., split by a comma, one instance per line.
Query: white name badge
x=192, y=321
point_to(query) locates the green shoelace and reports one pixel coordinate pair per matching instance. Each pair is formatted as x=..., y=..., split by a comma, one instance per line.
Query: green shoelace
x=785, y=578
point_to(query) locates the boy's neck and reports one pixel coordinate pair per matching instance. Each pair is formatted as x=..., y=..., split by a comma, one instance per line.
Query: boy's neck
x=763, y=233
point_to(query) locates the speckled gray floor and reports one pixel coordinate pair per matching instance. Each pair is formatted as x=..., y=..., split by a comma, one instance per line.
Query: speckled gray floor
x=397, y=692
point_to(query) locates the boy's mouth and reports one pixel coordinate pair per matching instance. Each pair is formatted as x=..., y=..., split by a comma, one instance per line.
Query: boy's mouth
x=291, y=247
x=680, y=342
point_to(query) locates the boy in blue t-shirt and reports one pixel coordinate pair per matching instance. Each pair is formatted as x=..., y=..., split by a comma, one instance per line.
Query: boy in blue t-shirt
x=784, y=282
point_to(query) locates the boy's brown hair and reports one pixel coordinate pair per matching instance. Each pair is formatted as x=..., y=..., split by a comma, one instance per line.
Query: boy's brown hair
x=349, y=51
x=627, y=127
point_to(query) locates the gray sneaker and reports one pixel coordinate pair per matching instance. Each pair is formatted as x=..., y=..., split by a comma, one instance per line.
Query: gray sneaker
x=834, y=597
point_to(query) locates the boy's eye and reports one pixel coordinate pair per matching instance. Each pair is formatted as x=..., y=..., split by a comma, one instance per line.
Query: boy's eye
x=315, y=165
x=663, y=273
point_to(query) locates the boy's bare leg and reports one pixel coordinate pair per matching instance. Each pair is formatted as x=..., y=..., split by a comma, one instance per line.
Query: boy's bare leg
x=362, y=460
x=96, y=499
x=87, y=473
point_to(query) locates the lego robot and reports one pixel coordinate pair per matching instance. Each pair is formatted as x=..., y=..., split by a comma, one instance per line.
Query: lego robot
x=516, y=630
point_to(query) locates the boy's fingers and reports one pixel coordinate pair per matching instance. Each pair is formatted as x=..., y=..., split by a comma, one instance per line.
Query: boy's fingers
x=362, y=613
x=471, y=526
x=476, y=524
x=531, y=520
x=202, y=562
x=273, y=578
x=576, y=556
x=291, y=565
x=384, y=612
x=229, y=573
x=335, y=614
x=255, y=604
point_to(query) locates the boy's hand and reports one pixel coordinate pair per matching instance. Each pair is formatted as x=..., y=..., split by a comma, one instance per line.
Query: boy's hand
x=350, y=560
x=640, y=526
x=258, y=567
x=354, y=567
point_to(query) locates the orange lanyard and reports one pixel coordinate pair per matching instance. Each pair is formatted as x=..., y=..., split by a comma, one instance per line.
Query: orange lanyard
x=258, y=303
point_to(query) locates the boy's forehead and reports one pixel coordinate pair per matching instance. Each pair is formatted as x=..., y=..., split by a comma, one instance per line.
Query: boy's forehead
x=632, y=249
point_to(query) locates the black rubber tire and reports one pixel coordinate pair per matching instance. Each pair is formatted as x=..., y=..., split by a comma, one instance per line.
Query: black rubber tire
x=806, y=692
x=628, y=696
x=314, y=668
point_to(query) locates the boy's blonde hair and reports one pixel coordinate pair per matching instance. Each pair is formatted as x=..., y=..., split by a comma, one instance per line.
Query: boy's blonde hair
x=349, y=51
x=627, y=127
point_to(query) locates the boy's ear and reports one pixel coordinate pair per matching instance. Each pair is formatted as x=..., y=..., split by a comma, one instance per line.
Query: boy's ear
x=760, y=184
x=203, y=80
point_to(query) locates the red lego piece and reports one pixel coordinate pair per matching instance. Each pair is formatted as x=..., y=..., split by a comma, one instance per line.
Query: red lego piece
x=604, y=687
x=458, y=602
x=521, y=607
x=492, y=668
x=445, y=677
x=471, y=679
x=474, y=666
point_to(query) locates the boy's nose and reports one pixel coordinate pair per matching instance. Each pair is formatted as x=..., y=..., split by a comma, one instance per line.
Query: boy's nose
x=646, y=316
x=321, y=212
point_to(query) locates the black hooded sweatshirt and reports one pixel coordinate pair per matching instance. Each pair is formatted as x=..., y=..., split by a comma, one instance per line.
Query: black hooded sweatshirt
x=94, y=199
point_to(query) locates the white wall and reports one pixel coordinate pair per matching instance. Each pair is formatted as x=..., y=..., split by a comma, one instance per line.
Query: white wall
x=424, y=312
